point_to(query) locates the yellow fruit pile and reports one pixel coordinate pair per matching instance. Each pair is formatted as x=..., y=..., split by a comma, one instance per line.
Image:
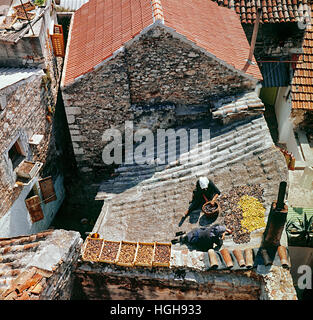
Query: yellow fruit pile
x=252, y=213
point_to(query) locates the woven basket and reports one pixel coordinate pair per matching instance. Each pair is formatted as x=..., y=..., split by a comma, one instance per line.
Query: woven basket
x=213, y=212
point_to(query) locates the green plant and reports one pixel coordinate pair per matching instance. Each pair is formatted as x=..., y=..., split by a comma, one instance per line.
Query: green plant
x=40, y=2
x=300, y=231
x=46, y=79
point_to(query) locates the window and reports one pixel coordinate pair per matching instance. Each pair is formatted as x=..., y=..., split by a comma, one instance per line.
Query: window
x=16, y=154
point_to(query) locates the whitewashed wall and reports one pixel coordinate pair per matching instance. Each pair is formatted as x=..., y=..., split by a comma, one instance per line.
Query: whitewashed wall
x=17, y=220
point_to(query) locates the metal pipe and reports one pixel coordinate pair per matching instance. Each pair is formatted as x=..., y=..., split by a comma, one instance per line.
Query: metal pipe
x=281, y=195
x=254, y=35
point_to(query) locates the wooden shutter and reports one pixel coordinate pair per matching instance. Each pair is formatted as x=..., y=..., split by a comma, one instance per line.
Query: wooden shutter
x=47, y=189
x=58, y=44
x=57, y=28
x=34, y=208
x=58, y=41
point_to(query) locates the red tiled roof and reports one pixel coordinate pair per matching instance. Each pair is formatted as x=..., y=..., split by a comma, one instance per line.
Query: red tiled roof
x=100, y=27
x=302, y=82
x=17, y=282
x=273, y=11
x=216, y=29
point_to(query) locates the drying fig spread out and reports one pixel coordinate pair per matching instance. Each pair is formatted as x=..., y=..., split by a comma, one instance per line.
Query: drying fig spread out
x=144, y=254
x=209, y=208
x=162, y=253
x=109, y=251
x=127, y=253
x=232, y=213
x=92, y=249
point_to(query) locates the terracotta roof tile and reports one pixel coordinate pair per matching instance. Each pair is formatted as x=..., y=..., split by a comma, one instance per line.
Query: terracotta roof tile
x=216, y=29
x=272, y=11
x=19, y=276
x=302, y=82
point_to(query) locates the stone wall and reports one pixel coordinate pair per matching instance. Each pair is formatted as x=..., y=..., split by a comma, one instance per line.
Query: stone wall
x=100, y=283
x=26, y=113
x=163, y=68
x=27, y=52
x=303, y=119
x=59, y=286
x=93, y=104
x=158, y=70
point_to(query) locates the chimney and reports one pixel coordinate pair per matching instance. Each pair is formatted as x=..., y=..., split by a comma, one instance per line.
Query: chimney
x=276, y=219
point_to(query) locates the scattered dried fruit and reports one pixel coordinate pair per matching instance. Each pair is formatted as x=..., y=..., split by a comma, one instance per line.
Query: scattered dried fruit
x=233, y=214
x=92, y=249
x=144, y=254
x=162, y=253
x=109, y=251
x=127, y=253
x=252, y=213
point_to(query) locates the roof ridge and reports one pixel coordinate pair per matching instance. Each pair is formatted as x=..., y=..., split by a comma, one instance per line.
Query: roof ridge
x=157, y=10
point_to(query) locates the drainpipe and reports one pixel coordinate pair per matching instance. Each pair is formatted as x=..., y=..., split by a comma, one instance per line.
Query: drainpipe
x=254, y=35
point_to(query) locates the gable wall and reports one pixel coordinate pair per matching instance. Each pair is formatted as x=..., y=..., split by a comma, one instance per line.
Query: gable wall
x=155, y=69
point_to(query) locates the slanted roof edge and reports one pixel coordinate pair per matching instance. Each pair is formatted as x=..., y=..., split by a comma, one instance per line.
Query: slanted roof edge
x=62, y=85
x=23, y=79
x=159, y=23
x=113, y=55
x=206, y=52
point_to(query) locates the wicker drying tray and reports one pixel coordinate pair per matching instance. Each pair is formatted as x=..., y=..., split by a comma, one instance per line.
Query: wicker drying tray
x=144, y=264
x=22, y=15
x=8, y=22
x=106, y=243
x=129, y=263
x=28, y=6
x=156, y=263
x=89, y=242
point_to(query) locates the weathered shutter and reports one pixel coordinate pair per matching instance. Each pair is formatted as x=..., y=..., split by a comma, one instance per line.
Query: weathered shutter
x=57, y=28
x=47, y=189
x=58, y=41
x=34, y=208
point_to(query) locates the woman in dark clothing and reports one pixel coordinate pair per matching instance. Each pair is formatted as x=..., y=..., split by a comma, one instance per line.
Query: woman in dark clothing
x=204, y=238
x=205, y=191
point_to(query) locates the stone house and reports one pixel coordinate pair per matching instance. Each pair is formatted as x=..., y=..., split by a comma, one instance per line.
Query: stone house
x=48, y=266
x=31, y=182
x=178, y=67
x=283, y=52
x=154, y=67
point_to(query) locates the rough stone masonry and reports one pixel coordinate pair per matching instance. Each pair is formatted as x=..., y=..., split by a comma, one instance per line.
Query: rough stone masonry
x=159, y=68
